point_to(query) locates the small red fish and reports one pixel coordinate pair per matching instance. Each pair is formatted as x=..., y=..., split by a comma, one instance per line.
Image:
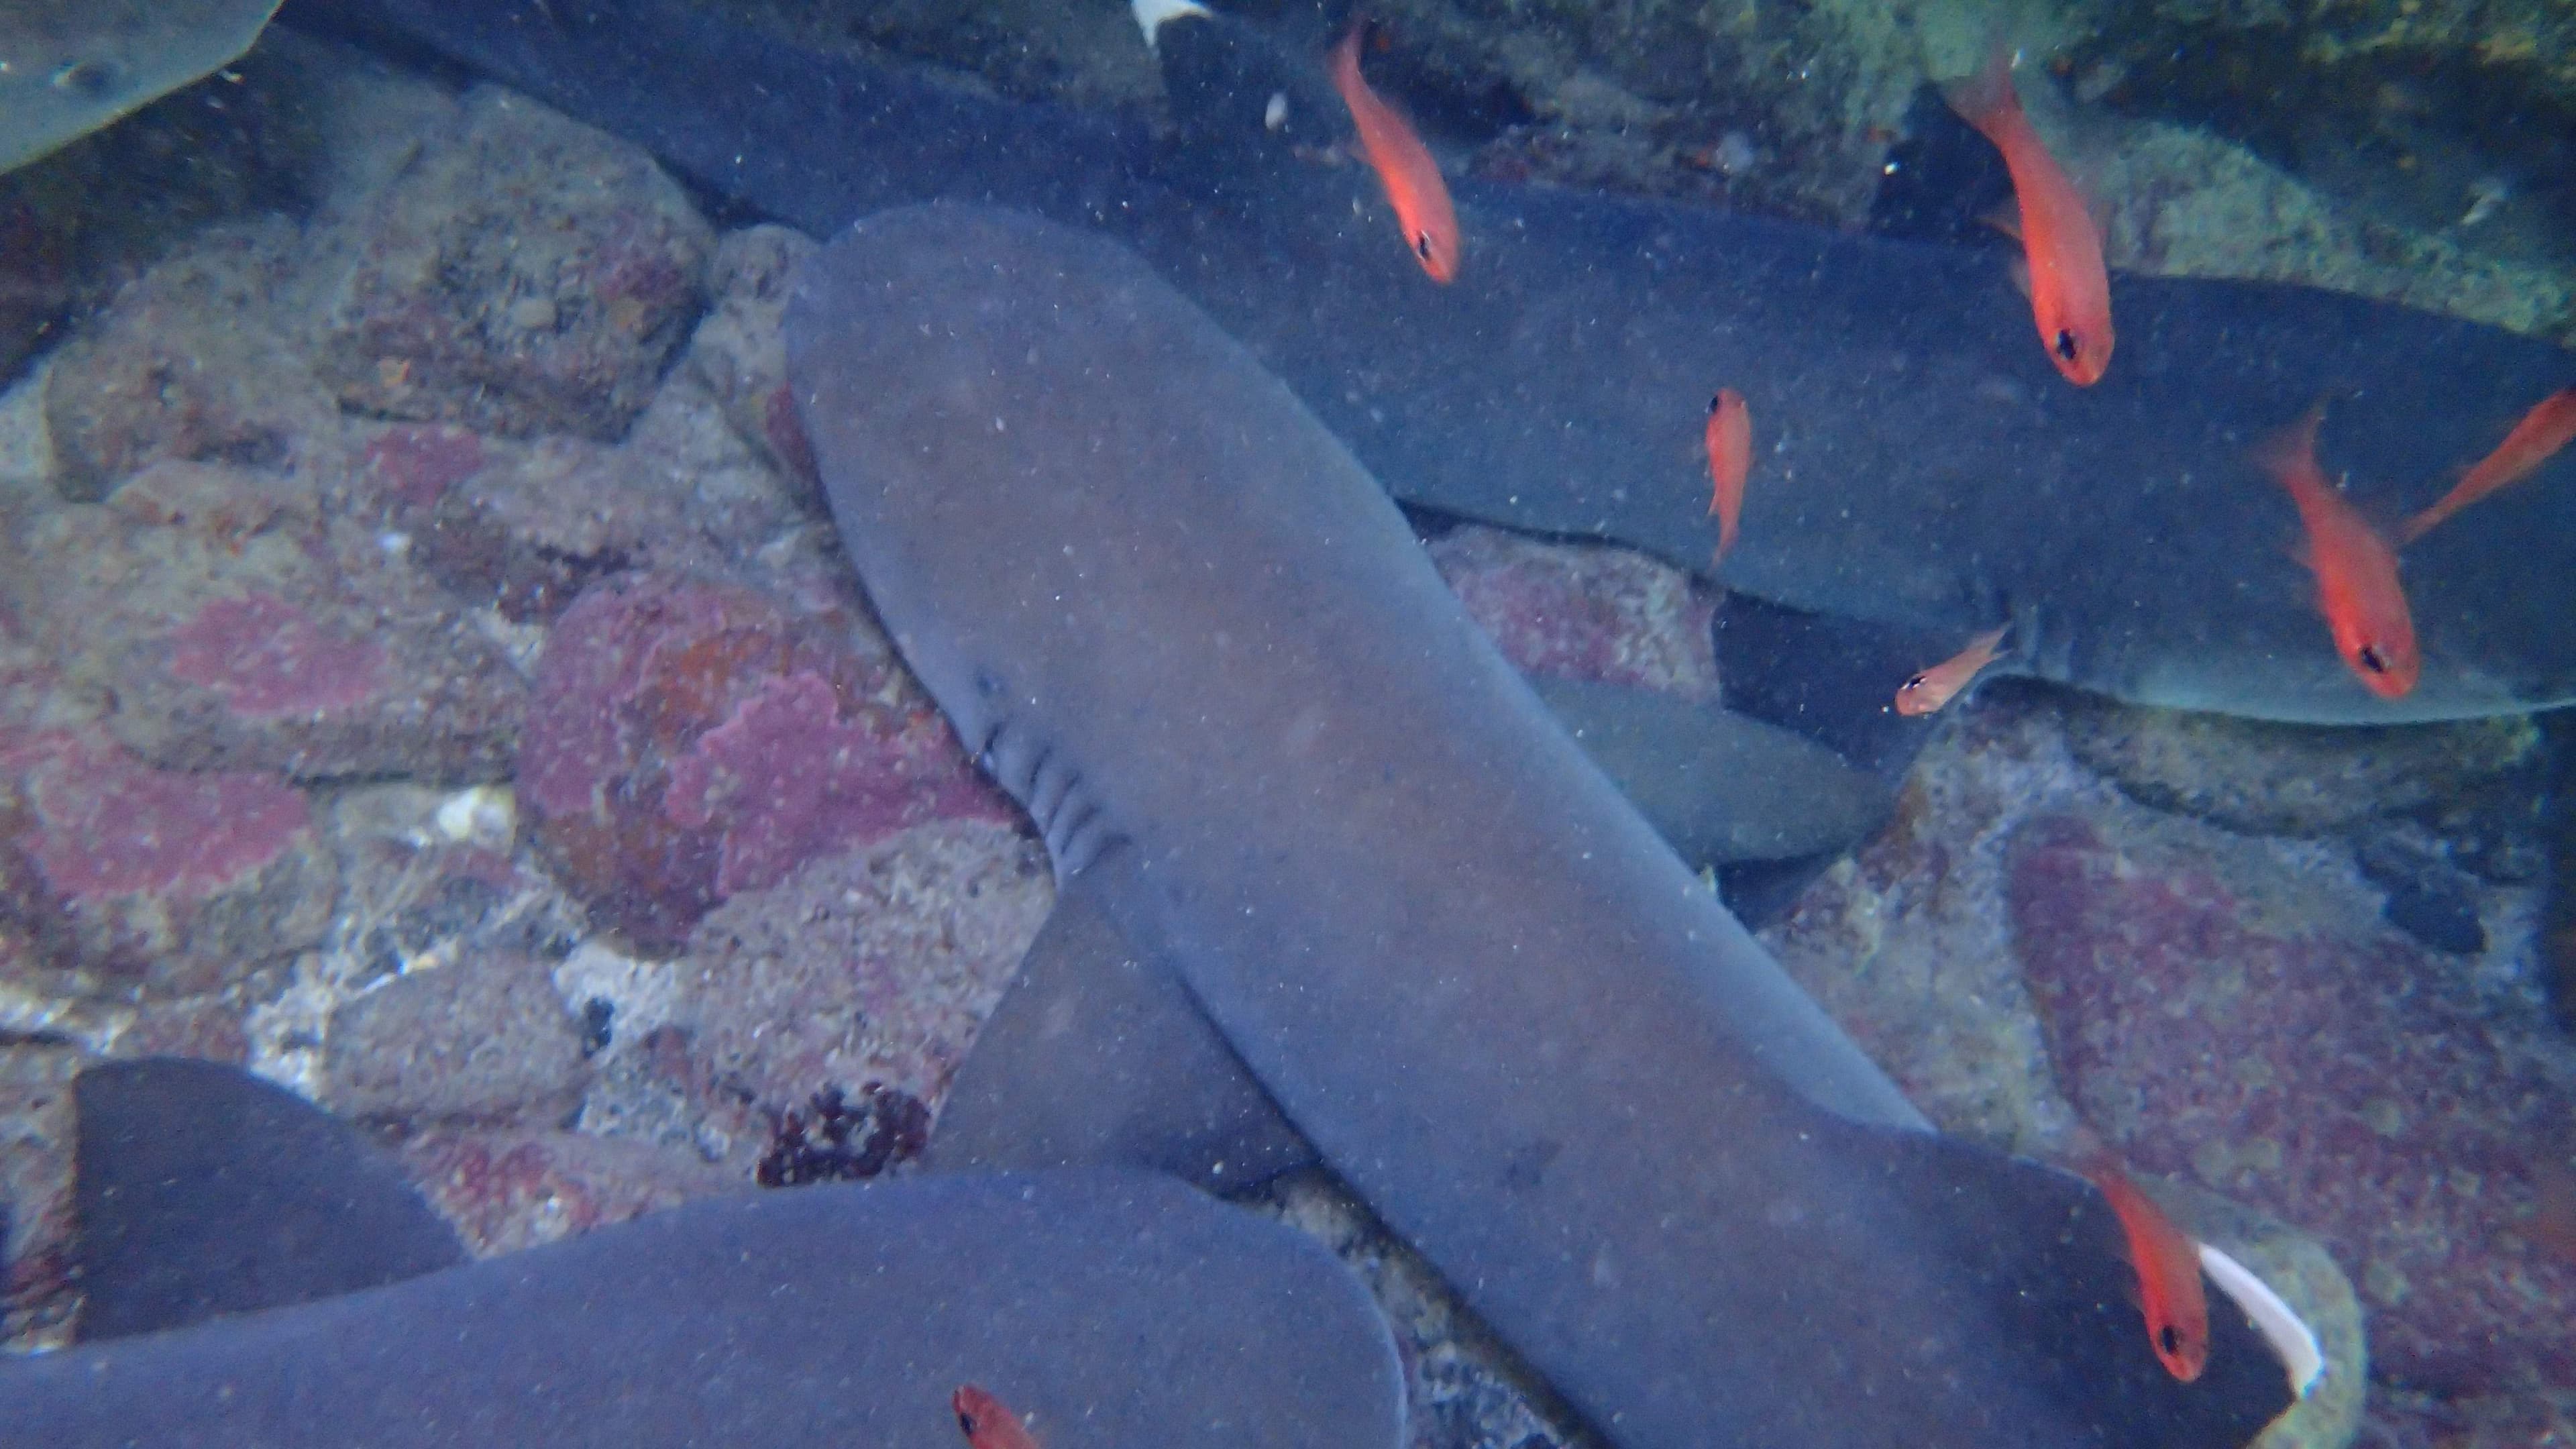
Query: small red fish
x=2544, y=430
x=2357, y=588
x=2168, y=1264
x=1403, y=165
x=1938, y=685
x=987, y=1421
x=2070, y=293
x=1730, y=457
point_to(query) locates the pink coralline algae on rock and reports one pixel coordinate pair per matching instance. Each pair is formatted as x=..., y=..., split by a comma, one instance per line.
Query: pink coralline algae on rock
x=507, y=1191
x=179, y=878
x=689, y=741
x=1592, y=613
x=269, y=660
x=2334, y=1075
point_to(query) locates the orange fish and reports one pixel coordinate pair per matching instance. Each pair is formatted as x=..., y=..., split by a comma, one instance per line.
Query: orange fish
x=2541, y=433
x=2070, y=294
x=1730, y=457
x=987, y=1421
x=1403, y=165
x=2356, y=570
x=1938, y=685
x=2168, y=1264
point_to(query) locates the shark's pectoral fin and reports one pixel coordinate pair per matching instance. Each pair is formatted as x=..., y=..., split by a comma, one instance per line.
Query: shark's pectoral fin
x=1829, y=681
x=1719, y=786
x=200, y=1190
x=1098, y=1057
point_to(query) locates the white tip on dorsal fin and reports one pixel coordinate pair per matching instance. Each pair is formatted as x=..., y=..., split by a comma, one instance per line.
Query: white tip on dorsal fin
x=2288, y=1333
x=1150, y=14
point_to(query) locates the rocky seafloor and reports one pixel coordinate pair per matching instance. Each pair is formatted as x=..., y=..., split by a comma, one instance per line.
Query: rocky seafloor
x=426, y=678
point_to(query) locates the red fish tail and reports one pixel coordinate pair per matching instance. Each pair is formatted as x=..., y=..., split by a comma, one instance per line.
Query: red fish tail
x=2290, y=455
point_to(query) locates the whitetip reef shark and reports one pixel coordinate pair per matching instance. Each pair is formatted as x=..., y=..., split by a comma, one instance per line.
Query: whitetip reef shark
x=259, y=1276
x=1917, y=464
x=1283, y=777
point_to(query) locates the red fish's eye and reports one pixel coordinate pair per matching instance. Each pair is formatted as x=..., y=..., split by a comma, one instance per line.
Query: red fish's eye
x=2066, y=347
x=1911, y=685
x=2170, y=1337
x=2371, y=661
x=1716, y=400
x=1422, y=245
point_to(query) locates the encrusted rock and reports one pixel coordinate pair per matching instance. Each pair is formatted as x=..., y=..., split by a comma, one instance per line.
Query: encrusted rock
x=510, y=1190
x=174, y=881
x=37, y=1294
x=483, y=1039
x=2227, y=1016
x=869, y=968
x=197, y=360
x=234, y=622
x=2281, y=779
x=688, y=741
x=738, y=351
x=1584, y=612
x=490, y=292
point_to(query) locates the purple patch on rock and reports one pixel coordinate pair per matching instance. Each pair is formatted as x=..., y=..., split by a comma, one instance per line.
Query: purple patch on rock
x=1584, y=611
x=689, y=740
x=789, y=779
x=2331, y=1074
x=418, y=465
x=269, y=661
x=106, y=825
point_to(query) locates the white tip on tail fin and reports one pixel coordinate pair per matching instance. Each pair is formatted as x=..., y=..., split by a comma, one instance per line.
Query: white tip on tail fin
x=2288, y=1333
x=1150, y=14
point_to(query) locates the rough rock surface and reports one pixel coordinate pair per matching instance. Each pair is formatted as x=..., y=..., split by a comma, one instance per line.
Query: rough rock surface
x=868, y=968
x=488, y=291
x=141, y=877
x=36, y=1143
x=484, y=1039
x=196, y=360
x=690, y=741
x=739, y=352
x=234, y=620
x=2225, y=1018
x=1586, y=612
x=507, y=1190
x=2278, y=779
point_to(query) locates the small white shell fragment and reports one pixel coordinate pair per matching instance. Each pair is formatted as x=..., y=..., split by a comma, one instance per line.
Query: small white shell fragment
x=2288, y=1333
x=485, y=815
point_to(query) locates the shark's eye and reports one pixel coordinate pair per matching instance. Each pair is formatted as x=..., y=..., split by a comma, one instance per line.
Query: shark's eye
x=2371, y=661
x=2066, y=347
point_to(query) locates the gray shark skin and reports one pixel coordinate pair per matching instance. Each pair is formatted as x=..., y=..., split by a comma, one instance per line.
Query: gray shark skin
x=1116, y=1308
x=1193, y=636
x=1918, y=461
x=201, y=1190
